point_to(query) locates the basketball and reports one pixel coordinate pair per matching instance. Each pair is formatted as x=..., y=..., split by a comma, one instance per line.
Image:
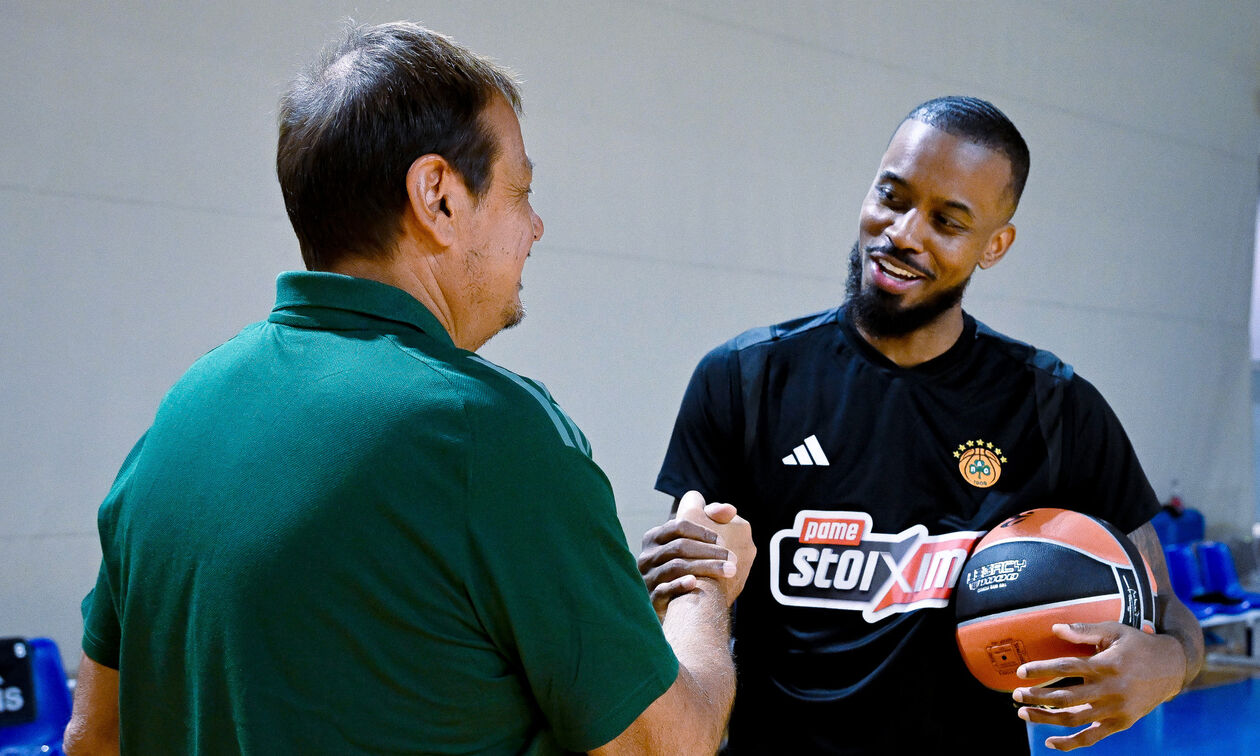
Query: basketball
x=1038, y=568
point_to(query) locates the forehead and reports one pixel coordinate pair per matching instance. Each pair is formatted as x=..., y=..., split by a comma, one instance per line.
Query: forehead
x=948, y=168
x=503, y=123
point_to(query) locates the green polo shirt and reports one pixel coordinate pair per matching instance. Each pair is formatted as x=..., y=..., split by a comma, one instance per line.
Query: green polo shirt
x=342, y=534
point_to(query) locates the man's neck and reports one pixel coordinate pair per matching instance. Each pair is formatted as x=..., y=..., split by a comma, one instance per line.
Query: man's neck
x=413, y=274
x=922, y=344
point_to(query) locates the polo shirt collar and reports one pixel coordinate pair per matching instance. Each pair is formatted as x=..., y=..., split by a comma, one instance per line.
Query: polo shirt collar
x=335, y=302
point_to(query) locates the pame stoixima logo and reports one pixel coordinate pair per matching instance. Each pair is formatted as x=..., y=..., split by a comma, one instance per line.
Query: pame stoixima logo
x=980, y=462
x=832, y=560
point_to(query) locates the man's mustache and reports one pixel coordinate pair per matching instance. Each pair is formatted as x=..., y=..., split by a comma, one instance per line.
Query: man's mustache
x=902, y=256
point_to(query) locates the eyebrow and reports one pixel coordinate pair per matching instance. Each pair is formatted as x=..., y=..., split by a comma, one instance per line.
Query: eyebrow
x=891, y=177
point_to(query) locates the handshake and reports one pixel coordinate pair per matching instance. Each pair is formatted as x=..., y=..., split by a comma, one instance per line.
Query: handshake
x=703, y=544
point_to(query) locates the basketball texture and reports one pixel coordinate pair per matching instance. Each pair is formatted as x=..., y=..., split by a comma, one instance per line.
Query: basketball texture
x=1039, y=568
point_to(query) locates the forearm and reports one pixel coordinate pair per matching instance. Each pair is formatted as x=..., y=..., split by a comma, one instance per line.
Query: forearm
x=1178, y=621
x=690, y=717
x=697, y=626
x=1172, y=618
x=93, y=726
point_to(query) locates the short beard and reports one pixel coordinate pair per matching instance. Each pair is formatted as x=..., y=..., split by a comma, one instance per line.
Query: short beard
x=880, y=314
x=513, y=314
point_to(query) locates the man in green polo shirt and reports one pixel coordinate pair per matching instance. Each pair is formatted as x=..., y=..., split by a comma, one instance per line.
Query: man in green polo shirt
x=347, y=533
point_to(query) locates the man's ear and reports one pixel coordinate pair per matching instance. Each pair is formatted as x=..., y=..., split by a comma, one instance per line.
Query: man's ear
x=434, y=191
x=999, y=243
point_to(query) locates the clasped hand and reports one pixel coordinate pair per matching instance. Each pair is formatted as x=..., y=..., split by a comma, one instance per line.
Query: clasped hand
x=701, y=541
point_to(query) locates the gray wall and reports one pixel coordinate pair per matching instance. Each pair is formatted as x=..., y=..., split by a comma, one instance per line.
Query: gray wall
x=700, y=166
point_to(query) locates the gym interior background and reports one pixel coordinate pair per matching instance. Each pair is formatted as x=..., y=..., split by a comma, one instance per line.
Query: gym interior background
x=700, y=164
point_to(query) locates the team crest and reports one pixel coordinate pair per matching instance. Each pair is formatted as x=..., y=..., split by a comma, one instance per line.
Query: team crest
x=979, y=462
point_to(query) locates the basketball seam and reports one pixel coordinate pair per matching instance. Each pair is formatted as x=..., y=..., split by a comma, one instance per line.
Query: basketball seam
x=1053, y=542
x=1038, y=607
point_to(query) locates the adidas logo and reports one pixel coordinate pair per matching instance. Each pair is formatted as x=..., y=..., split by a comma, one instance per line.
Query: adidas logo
x=808, y=453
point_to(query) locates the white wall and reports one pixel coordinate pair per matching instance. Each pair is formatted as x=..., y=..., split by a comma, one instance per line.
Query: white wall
x=700, y=165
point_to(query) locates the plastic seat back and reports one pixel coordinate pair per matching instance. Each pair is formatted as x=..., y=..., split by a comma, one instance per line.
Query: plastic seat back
x=34, y=699
x=1165, y=527
x=1190, y=526
x=1183, y=573
x=1220, y=575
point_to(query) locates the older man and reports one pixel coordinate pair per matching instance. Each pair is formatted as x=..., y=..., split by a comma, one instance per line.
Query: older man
x=862, y=417
x=347, y=533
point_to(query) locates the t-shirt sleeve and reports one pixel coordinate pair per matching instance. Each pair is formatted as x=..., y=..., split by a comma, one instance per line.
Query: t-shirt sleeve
x=704, y=447
x=102, y=632
x=562, y=595
x=1104, y=477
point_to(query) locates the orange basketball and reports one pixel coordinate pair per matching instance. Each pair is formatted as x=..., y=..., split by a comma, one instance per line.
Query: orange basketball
x=1039, y=568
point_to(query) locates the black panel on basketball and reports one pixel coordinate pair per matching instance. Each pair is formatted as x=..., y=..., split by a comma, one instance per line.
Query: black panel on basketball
x=1018, y=574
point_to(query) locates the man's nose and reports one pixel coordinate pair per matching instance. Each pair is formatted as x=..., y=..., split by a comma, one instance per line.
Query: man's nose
x=907, y=230
x=538, y=226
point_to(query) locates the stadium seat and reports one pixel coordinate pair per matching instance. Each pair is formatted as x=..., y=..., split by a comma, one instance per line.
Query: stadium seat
x=1187, y=583
x=32, y=726
x=1178, y=527
x=1220, y=578
x=1190, y=526
x=1165, y=527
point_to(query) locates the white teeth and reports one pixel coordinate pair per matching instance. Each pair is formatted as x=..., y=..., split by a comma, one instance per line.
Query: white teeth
x=897, y=270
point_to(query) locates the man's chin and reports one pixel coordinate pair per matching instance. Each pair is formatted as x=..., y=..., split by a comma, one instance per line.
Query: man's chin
x=513, y=317
x=883, y=314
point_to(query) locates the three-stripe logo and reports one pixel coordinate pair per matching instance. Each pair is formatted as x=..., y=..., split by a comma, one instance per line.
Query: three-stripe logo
x=808, y=453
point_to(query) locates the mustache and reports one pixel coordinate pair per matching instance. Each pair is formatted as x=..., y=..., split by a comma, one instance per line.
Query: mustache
x=902, y=256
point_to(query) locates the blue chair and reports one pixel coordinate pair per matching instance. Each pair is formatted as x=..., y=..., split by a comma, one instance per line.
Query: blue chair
x=1187, y=583
x=1175, y=528
x=1190, y=526
x=1220, y=577
x=36, y=732
x=1165, y=527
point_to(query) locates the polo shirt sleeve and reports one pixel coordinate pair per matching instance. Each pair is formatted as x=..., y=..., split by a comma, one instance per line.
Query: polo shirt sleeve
x=704, y=448
x=102, y=632
x=561, y=594
x=1104, y=477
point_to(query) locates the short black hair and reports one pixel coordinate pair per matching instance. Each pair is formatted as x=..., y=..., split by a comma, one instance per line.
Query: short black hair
x=352, y=125
x=979, y=121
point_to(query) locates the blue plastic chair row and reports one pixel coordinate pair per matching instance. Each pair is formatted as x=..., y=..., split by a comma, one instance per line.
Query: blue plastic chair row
x=1205, y=579
x=42, y=735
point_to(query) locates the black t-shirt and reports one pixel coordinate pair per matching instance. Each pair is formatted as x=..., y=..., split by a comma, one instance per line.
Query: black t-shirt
x=866, y=484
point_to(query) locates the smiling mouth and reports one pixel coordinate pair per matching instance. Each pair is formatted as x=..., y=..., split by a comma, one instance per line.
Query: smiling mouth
x=894, y=270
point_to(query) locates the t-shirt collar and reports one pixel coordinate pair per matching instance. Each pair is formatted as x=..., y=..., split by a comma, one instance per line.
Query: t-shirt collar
x=938, y=364
x=331, y=301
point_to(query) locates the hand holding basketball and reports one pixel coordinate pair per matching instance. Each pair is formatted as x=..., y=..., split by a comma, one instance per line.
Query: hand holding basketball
x=1041, y=568
x=1132, y=673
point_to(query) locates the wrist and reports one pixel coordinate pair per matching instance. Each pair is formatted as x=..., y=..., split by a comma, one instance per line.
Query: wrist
x=1178, y=650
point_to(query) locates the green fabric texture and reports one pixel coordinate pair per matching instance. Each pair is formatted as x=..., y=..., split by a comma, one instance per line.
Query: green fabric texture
x=342, y=534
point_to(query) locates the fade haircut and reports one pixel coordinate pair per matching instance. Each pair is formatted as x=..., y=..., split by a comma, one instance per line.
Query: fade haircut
x=352, y=125
x=980, y=122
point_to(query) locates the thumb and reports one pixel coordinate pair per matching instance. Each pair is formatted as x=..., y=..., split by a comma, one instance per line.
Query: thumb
x=1095, y=634
x=691, y=507
x=720, y=513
